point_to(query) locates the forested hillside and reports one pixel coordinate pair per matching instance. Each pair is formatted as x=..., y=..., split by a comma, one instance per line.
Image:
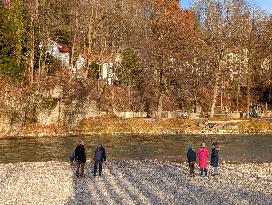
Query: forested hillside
x=131, y=55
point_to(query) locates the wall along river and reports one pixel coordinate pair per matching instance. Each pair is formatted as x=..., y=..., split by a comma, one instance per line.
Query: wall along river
x=234, y=148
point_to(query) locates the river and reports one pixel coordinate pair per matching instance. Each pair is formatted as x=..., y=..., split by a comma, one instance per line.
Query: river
x=234, y=148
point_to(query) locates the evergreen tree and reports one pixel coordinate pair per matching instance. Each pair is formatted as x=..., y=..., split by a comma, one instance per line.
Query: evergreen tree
x=11, y=40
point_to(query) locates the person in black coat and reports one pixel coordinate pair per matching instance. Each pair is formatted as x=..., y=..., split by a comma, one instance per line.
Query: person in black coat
x=191, y=156
x=214, y=158
x=99, y=158
x=80, y=157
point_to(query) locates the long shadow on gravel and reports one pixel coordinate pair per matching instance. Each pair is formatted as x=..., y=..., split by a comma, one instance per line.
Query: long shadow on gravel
x=81, y=189
x=177, y=180
x=128, y=192
x=254, y=197
x=165, y=184
x=151, y=182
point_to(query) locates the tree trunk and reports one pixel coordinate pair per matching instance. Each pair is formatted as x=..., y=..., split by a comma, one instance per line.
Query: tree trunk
x=269, y=95
x=74, y=41
x=112, y=100
x=215, y=91
x=238, y=95
x=33, y=17
x=215, y=94
x=90, y=37
x=217, y=82
x=129, y=98
x=248, y=83
x=32, y=51
x=159, y=115
x=161, y=93
x=59, y=112
x=248, y=97
x=222, y=94
x=40, y=64
x=100, y=95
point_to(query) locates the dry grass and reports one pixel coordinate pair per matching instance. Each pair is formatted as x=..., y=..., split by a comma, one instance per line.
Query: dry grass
x=139, y=125
x=255, y=126
x=113, y=124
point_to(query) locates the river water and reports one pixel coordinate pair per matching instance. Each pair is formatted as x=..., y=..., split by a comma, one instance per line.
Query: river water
x=233, y=148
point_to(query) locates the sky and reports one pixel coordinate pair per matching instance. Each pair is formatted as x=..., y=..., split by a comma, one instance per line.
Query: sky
x=265, y=4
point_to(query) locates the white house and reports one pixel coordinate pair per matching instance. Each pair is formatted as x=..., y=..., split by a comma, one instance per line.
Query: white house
x=54, y=49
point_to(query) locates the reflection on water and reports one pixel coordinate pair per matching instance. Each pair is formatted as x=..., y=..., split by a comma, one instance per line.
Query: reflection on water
x=234, y=148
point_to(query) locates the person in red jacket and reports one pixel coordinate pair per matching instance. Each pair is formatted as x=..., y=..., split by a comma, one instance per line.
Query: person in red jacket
x=203, y=155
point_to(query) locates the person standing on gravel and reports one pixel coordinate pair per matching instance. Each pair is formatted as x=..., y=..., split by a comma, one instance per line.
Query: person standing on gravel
x=99, y=158
x=203, y=155
x=80, y=157
x=214, y=158
x=191, y=156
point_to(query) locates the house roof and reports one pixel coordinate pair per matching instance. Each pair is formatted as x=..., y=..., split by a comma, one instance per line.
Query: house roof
x=64, y=48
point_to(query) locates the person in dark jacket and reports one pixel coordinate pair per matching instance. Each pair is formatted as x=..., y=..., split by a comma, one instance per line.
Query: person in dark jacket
x=80, y=157
x=191, y=156
x=214, y=158
x=99, y=158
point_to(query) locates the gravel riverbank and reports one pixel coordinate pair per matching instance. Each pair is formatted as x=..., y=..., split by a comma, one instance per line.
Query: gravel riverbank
x=133, y=182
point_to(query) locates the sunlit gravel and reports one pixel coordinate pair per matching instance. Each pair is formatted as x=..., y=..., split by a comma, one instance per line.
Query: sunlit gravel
x=133, y=182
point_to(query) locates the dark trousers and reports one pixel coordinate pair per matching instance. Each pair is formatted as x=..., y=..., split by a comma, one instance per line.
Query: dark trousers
x=192, y=168
x=203, y=170
x=80, y=166
x=99, y=164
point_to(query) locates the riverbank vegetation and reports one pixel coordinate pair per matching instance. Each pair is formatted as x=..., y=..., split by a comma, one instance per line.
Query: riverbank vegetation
x=68, y=60
x=114, y=125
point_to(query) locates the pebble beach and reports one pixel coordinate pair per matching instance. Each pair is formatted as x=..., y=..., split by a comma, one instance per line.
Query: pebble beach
x=133, y=182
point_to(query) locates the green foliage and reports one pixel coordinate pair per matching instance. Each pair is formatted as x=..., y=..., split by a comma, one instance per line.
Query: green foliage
x=95, y=67
x=128, y=67
x=49, y=102
x=12, y=29
x=17, y=27
x=53, y=66
x=8, y=64
x=61, y=11
x=62, y=36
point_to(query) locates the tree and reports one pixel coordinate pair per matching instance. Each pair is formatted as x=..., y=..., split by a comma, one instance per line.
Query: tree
x=12, y=28
x=169, y=31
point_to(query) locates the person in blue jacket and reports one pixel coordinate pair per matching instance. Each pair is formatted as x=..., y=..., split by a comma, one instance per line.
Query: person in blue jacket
x=99, y=158
x=191, y=156
x=215, y=158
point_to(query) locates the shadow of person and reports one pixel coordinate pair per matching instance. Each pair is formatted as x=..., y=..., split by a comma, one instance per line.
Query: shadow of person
x=81, y=190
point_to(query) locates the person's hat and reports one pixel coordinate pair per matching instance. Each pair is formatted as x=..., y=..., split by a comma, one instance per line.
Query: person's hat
x=214, y=144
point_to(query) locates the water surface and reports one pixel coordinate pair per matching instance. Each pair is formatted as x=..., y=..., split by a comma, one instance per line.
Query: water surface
x=234, y=148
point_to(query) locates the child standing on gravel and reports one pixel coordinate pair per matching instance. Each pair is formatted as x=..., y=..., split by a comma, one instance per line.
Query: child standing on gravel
x=191, y=156
x=214, y=158
x=203, y=155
